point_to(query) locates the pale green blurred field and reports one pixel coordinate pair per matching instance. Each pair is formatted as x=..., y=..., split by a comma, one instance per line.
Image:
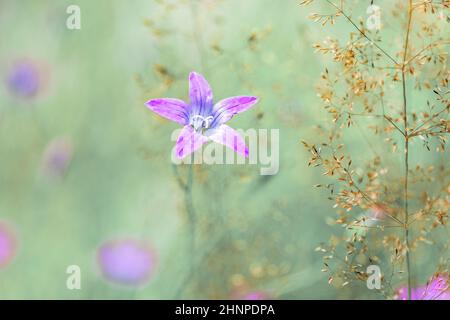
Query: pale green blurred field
x=120, y=181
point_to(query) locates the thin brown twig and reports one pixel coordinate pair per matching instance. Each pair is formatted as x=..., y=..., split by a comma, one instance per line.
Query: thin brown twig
x=424, y=49
x=416, y=130
x=387, y=118
x=366, y=196
x=362, y=32
x=406, y=157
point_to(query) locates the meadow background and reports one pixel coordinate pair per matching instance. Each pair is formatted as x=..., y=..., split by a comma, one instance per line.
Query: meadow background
x=256, y=233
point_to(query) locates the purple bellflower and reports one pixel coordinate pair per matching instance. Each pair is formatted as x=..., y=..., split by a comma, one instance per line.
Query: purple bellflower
x=7, y=245
x=438, y=288
x=202, y=120
x=256, y=295
x=24, y=79
x=57, y=157
x=127, y=262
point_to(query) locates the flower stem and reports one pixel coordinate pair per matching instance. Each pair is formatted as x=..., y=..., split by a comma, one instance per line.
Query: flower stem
x=192, y=221
x=406, y=155
x=190, y=209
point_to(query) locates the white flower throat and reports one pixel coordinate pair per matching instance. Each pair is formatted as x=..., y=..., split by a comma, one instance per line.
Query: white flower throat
x=199, y=122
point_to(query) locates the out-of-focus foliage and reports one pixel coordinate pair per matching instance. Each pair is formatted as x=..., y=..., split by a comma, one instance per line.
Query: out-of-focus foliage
x=395, y=91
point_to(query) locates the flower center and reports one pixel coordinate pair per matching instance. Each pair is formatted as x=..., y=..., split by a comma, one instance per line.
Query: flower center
x=199, y=122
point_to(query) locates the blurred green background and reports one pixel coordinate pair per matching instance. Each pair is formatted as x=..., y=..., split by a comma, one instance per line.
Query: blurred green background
x=255, y=232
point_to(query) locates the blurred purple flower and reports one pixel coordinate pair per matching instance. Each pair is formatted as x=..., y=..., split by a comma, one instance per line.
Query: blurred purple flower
x=25, y=79
x=57, y=156
x=256, y=295
x=126, y=262
x=7, y=245
x=436, y=289
x=203, y=120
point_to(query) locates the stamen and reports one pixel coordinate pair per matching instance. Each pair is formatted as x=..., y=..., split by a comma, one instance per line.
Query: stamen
x=208, y=121
x=205, y=122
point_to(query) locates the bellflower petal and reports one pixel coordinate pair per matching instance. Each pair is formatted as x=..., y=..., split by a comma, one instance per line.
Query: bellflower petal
x=225, y=109
x=172, y=109
x=200, y=94
x=228, y=137
x=188, y=142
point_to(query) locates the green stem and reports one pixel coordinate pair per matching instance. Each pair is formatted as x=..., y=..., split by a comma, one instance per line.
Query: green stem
x=190, y=210
x=192, y=223
x=406, y=158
